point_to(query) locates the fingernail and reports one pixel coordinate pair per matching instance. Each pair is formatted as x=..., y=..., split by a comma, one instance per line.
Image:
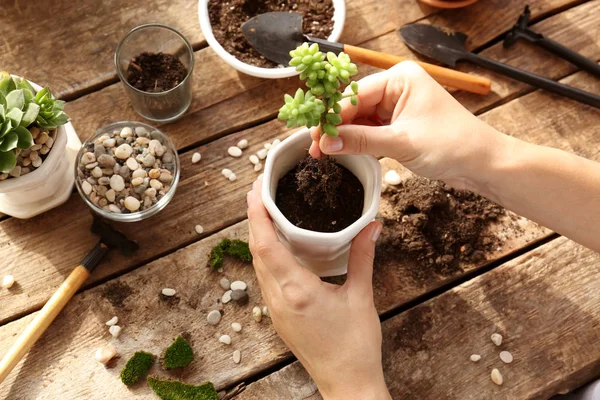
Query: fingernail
x=254, y=184
x=333, y=144
x=248, y=196
x=376, y=233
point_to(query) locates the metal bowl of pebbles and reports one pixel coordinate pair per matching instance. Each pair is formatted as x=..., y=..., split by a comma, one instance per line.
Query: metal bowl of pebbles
x=128, y=171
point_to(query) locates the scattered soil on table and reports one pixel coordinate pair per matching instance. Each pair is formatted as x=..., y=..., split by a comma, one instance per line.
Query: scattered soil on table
x=409, y=334
x=437, y=226
x=155, y=72
x=227, y=18
x=320, y=195
x=171, y=301
x=117, y=293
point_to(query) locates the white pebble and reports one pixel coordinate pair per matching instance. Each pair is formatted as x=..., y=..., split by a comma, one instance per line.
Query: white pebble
x=225, y=339
x=254, y=159
x=113, y=321
x=265, y=311
x=392, y=178
x=8, y=281
x=117, y=183
x=105, y=354
x=234, y=151
x=475, y=357
x=196, y=157
x=226, y=172
x=262, y=154
x=139, y=173
x=224, y=282
x=168, y=292
x=123, y=151
x=132, y=164
x=110, y=195
x=257, y=314
x=86, y=187
x=238, y=285
x=496, y=377
x=506, y=357
x=137, y=181
x=214, y=317
x=275, y=143
x=109, y=143
x=232, y=177
x=497, y=339
x=141, y=131
x=257, y=167
x=115, y=330
x=236, y=326
x=96, y=172
x=237, y=356
x=131, y=203
x=199, y=229
x=126, y=132
x=242, y=144
x=114, y=208
x=226, y=298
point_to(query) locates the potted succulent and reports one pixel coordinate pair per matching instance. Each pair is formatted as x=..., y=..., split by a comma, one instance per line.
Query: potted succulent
x=34, y=166
x=319, y=205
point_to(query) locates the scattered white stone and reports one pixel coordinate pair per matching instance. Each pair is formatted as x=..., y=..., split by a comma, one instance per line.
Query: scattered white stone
x=105, y=354
x=226, y=298
x=254, y=159
x=258, y=167
x=392, y=178
x=214, y=317
x=234, y=151
x=226, y=172
x=267, y=145
x=132, y=164
x=506, y=357
x=265, y=311
x=237, y=356
x=232, y=177
x=257, y=314
x=168, y=292
x=131, y=203
x=242, y=144
x=475, y=357
x=8, y=281
x=225, y=284
x=238, y=285
x=117, y=183
x=196, y=158
x=199, y=229
x=497, y=339
x=110, y=195
x=126, y=132
x=236, y=326
x=113, y=321
x=123, y=151
x=115, y=330
x=86, y=187
x=496, y=377
x=262, y=154
x=225, y=339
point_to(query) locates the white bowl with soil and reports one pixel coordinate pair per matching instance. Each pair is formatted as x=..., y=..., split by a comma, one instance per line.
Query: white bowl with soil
x=240, y=55
x=324, y=252
x=47, y=186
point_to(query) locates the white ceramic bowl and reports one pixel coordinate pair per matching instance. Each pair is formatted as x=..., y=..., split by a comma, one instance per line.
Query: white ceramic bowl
x=339, y=17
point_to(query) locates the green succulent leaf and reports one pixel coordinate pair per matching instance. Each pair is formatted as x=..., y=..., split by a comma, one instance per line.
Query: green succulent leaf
x=25, y=139
x=30, y=115
x=9, y=142
x=7, y=85
x=6, y=127
x=15, y=115
x=8, y=160
x=2, y=113
x=42, y=95
x=15, y=99
x=57, y=121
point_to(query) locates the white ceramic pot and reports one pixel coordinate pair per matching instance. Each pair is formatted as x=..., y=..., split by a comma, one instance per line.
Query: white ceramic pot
x=339, y=17
x=326, y=254
x=48, y=186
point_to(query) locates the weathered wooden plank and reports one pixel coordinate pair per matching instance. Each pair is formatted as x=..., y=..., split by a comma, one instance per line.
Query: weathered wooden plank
x=546, y=305
x=69, y=46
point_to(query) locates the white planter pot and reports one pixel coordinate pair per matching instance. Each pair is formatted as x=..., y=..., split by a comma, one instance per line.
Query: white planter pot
x=48, y=186
x=326, y=254
x=339, y=17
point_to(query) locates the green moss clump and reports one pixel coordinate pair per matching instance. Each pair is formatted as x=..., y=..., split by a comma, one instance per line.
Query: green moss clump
x=234, y=248
x=137, y=367
x=177, y=355
x=175, y=390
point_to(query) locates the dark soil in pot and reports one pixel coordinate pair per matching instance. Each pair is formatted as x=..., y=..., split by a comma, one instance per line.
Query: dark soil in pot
x=155, y=72
x=320, y=195
x=436, y=226
x=227, y=18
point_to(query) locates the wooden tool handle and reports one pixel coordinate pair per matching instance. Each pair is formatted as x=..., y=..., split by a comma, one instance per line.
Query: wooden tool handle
x=41, y=321
x=444, y=76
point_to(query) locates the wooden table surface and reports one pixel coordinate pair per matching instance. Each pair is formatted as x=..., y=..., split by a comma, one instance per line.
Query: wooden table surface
x=539, y=290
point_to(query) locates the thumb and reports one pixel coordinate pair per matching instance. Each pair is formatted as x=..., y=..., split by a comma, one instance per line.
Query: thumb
x=360, y=139
x=360, y=262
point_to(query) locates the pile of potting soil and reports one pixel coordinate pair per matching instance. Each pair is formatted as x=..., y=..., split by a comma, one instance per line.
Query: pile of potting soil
x=435, y=225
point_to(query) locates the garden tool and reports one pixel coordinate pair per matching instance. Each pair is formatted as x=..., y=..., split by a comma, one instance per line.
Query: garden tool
x=275, y=34
x=521, y=31
x=448, y=47
x=109, y=239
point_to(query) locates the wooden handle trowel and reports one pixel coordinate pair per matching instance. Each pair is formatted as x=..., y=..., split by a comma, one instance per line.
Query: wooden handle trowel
x=275, y=34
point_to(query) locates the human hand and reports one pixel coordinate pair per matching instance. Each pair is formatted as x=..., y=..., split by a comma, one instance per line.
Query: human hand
x=421, y=126
x=333, y=330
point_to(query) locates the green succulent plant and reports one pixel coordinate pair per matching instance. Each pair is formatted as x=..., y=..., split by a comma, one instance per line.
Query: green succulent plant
x=324, y=75
x=20, y=108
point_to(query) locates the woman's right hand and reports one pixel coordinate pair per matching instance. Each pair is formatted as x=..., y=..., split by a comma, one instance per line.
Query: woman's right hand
x=423, y=127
